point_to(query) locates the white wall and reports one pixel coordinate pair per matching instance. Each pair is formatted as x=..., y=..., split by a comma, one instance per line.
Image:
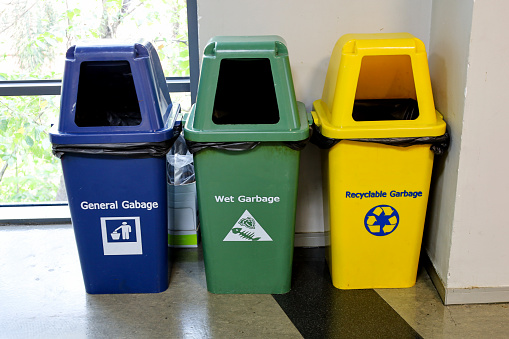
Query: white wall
x=480, y=251
x=448, y=59
x=467, y=238
x=311, y=28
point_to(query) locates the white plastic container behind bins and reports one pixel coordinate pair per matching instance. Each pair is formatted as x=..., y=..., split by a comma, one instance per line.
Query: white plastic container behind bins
x=183, y=215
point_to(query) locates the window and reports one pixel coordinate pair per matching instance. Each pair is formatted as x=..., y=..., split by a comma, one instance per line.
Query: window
x=34, y=37
x=35, y=34
x=28, y=170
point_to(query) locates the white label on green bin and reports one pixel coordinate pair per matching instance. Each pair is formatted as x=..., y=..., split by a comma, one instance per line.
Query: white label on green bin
x=247, y=229
x=121, y=235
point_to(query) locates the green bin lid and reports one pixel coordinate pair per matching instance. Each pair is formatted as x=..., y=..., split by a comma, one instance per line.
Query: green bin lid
x=246, y=93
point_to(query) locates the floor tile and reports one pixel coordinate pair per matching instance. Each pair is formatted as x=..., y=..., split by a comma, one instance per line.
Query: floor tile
x=423, y=309
x=42, y=296
x=319, y=310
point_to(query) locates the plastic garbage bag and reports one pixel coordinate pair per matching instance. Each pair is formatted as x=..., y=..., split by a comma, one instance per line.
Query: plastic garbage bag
x=385, y=109
x=240, y=146
x=129, y=150
x=180, y=164
x=438, y=144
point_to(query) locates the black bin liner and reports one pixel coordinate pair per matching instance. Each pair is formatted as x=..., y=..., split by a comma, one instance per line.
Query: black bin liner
x=385, y=109
x=195, y=147
x=382, y=110
x=129, y=150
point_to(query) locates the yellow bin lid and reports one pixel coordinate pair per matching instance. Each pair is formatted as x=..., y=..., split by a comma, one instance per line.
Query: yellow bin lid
x=377, y=66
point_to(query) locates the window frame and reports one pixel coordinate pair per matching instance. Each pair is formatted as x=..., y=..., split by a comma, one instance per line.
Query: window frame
x=54, y=87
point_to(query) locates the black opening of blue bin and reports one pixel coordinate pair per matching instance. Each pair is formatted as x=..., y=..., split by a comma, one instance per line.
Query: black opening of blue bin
x=106, y=95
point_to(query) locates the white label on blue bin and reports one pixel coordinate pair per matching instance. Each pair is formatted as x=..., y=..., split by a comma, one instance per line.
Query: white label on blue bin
x=121, y=235
x=247, y=229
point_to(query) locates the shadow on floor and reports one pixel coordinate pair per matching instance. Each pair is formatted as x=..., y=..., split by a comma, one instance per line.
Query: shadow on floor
x=319, y=310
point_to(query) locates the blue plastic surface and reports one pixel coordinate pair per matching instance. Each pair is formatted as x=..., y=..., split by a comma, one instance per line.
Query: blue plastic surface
x=108, y=265
x=151, y=90
x=118, y=203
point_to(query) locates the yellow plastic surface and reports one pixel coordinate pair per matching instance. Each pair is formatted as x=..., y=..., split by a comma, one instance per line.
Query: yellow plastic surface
x=357, y=258
x=375, y=196
x=377, y=66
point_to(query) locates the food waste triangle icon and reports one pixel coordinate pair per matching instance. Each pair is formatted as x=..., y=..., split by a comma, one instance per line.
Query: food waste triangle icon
x=247, y=229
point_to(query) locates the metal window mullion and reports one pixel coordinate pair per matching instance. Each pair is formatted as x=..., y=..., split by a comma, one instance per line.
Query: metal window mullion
x=29, y=87
x=53, y=87
x=194, y=49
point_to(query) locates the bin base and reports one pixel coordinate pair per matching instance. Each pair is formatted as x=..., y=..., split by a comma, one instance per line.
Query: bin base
x=121, y=239
x=247, y=211
x=375, y=206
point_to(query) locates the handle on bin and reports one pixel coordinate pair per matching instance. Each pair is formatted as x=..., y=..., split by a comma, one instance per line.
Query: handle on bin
x=310, y=118
x=315, y=119
x=366, y=57
x=185, y=118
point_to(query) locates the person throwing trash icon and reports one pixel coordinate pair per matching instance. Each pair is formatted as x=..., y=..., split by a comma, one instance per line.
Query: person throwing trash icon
x=126, y=229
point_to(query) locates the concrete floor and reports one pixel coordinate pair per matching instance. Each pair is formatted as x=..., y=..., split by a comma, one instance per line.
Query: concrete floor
x=42, y=296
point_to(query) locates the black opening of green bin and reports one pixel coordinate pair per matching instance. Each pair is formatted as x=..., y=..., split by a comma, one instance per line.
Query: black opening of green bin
x=245, y=93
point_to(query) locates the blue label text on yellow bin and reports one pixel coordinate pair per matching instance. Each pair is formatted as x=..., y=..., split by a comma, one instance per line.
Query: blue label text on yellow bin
x=383, y=194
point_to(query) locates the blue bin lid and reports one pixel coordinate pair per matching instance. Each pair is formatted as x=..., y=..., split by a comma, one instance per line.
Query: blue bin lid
x=137, y=82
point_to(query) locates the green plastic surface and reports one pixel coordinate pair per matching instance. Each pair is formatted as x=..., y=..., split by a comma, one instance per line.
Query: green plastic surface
x=235, y=260
x=293, y=121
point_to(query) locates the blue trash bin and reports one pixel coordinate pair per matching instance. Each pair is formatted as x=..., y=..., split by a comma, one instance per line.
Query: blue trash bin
x=117, y=123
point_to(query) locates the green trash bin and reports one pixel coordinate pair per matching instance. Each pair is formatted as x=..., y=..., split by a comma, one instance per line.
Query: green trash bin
x=246, y=131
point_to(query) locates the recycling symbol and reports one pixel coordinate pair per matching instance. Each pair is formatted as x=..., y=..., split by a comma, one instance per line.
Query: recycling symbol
x=381, y=220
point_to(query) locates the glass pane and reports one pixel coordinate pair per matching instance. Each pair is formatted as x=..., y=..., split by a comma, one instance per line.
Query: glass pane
x=28, y=170
x=183, y=99
x=34, y=35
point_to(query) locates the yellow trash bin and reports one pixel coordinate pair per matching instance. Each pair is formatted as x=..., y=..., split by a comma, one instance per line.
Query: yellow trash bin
x=377, y=98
